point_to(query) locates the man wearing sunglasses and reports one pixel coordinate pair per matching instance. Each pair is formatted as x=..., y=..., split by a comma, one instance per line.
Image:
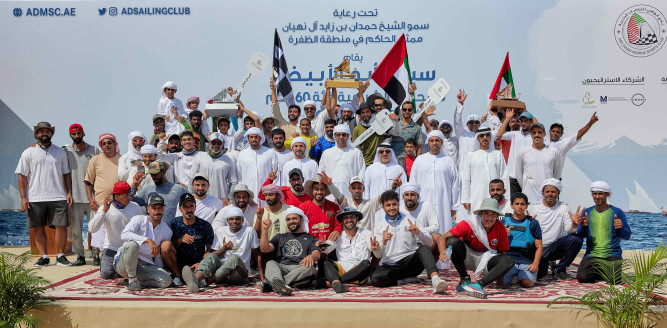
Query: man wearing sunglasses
x=221, y=171
x=467, y=135
x=366, y=116
x=409, y=130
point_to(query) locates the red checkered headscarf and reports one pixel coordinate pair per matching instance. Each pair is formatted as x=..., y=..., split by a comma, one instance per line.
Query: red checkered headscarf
x=108, y=136
x=191, y=99
x=274, y=189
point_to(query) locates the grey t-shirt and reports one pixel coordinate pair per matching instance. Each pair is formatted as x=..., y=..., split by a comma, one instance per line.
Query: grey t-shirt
x=78, y=163
x=291, y=248
x=169, y=191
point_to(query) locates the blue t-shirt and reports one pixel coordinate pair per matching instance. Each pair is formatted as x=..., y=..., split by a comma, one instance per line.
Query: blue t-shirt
x=603, y=240
x=316, y=151
x=189, y=254
x=524, y=255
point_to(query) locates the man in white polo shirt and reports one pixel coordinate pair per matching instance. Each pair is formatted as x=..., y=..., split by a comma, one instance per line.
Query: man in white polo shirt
x=45, y=186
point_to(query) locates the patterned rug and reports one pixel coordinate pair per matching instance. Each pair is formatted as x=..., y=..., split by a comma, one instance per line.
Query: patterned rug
x=90, y=286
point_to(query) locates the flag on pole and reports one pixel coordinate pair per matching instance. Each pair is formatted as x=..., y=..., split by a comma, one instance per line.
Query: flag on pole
x=393, y=73
x=504, y=78
x=281, y=72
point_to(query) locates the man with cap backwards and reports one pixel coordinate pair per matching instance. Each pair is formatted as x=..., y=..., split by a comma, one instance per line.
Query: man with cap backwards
x=255, y=162
x=478, y=243
x=132, y=157
x=207, y=205
x=603, y=226
x=221, y=170
x=283, y=154
x=172, y=109
x=45, y=186
x=139, y=258
x=295, y=253
x=79, y=154
x=240, y=197
x=353, y=250
x=467, y=135
x=229, y=259
x=307, y=166
x=436, y=174
x=293, y=195
x=519, y=139
x=481, y=166
x=293, y=113
x=170, y=191
x=382, y=173
x=559, y=226
x=342, y=162
x=190, y=242
x=101, y=175
x=189, y=161
x=537, y=163
x=370, y=145
x=114, y=214
x=325, y=142
x=404, y=248
x=565, y=144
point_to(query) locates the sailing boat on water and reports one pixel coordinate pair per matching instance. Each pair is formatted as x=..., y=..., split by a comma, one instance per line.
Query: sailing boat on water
x=640, y=201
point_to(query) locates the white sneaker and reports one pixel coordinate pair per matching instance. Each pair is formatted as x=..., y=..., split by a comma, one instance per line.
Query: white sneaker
x=439, y=285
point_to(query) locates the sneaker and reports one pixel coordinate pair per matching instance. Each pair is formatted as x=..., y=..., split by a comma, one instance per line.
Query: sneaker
x=462, y=285
x=80, y=260
x=281, y=288
x=96, y=257
x=177, y=282
x=134, y=286
x=190, y=279
x=63, y=261
x=123, y=282
x=475, y=290
x=43, y=262
x=562, y=275
x=339, y=287
x=439, y=285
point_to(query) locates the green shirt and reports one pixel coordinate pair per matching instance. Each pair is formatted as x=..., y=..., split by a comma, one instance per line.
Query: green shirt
x=370, y=146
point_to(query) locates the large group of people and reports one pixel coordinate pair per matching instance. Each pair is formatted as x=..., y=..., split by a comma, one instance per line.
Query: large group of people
x=290, y=200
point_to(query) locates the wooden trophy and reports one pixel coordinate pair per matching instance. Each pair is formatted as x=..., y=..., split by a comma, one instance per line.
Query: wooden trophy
x=343, y=78
x=505, y=100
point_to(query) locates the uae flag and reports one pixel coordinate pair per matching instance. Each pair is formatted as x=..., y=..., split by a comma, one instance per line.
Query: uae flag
x=393, y=73
x=504, y=78
x=281, y=72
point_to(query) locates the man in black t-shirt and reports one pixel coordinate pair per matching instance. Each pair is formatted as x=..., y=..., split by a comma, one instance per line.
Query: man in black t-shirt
x=295, y=254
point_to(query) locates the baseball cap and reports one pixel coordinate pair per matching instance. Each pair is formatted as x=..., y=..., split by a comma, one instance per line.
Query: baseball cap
x=155, y=198
x=356, y=179
x=295, y=171
x=526, y=115
x=75, y=127
x=157, y=117
x=537, y=125
x=201, y=176
x=186, y=197
x=155, y=167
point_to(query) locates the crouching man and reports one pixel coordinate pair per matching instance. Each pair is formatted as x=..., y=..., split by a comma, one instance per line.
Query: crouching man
x=139, y=258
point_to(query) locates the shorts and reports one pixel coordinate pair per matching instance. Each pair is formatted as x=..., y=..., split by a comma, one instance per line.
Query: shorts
x=521, y=272
x=52, y=213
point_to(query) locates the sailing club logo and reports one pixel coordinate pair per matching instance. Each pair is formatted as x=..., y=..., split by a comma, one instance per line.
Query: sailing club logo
x=641, y=31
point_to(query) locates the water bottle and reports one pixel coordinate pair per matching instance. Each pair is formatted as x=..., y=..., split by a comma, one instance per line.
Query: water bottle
x=448, y=253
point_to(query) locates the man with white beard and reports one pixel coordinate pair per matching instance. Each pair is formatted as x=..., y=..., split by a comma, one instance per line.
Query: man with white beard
x=381, y=174
x=342, y=162
x=256, y=162
x=221, y=170
x=307, y=166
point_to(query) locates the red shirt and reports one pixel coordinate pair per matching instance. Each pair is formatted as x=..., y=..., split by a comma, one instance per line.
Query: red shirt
x=497, y=237
x=409, y=160
x=322, y=222
x=290, y=198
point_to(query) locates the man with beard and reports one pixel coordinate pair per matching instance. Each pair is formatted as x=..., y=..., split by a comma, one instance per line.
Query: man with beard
x=45, y=186
x=451, y=143
x=170, y=191
x=318, y=146
x=275, y=210
x=347, y=116
x=79, y=154
x=158, y=130
x=536, y=164
x=467, y=138
x=101, y=176
x=196, y=123
x=481, y=166
x=370, y=145
x=251, y=120
x=404, y=248
x=139, y=258
x=293, y=113
x=304, y=126
x=256, y=162
x=268, y=123
x=148, y=155
x=353, y=250
x=173, y=144
x=283, y=154
x=229, y=259
x=367, y=207
x=221, y=169
x=409, y=129
x=385, y=169
x=295, y=254
x=240, y=197
x=191, y=239
x=295, y=194
x=189, y=161
x=519, y=139
x=321, y=212
x=497, y=191
x=136, y=140
x=563, y=145
x=559, y=226
x=307, y=166
x=343, y=161
x=317, y=120
x=114, y=215
x=207, y=205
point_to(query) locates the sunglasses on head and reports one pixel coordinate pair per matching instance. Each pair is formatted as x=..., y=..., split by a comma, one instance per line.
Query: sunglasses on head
x=473, y=122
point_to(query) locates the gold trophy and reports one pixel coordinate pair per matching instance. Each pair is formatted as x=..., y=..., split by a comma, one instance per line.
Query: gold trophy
x=343, y=78
x=505, y=100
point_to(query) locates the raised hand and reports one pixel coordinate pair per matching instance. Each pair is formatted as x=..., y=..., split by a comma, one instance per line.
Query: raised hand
x=618, y=224
x=413, y=228
x=461, y=97
x=230, y=90
x=272, y=84
x=295, y=134
x=273, y=175
x=386, y=236
x=430, y=111
x=266, y=224
x=393, y=117
x=585, y=221
x=576, y=217
x=107, y=203
x=594, y=118
x=259, y=212
x=363, y=86
x=374, y=244
x=324, y=178
x=314, y=142
x=397, y=182
x=227, y=245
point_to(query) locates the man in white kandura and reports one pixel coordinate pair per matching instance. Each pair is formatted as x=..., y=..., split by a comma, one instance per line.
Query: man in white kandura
x=342, y=162
x=255, y=162
x=381, y=174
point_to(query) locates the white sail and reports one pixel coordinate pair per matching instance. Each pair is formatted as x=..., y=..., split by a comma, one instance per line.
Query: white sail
x=644, y=201
x=632, y=200
x=576, y=186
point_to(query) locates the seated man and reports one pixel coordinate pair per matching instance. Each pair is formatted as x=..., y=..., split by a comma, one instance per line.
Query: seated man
x=404, y=248
x=229, y=261
x=353, y=250
x=525, y=238
x=295, y=253
x=603, y=227
x=191, y=240
x=139, y=258
x=476, y=242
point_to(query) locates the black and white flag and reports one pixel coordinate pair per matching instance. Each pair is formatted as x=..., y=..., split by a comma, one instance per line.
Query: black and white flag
x=281, y=73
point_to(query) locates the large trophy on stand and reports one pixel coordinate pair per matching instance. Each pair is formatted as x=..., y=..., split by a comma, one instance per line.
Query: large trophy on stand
x=505, y=100
x=343, y=78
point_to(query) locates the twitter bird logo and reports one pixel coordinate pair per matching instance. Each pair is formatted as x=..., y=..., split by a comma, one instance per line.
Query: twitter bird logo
x=102, y=11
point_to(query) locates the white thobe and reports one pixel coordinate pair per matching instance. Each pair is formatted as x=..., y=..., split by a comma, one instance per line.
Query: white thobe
x=283, y=157
x=379, y=177
x=254, y=166
x=480, y=168
x=221, y=173
x=186, y=166
x=318, y=123
x=172, y=126
x=564, y=145
x=424, y=215
x=341, y=165
x=467, y=139
x=307, y=166
x=248, y=216
x=367, y=207
x=519, y=141
x=440, y=185
x=533, y=166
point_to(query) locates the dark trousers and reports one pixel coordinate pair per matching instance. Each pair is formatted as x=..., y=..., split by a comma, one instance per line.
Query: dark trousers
x=564, y=249
x=358, y=273
x=409, y=266
x=514, y=186
x=497, y=265
x=590, y=267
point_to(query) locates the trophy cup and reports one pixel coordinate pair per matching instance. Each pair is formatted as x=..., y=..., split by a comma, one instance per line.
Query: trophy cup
x=343, y=78
x=505, y=100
